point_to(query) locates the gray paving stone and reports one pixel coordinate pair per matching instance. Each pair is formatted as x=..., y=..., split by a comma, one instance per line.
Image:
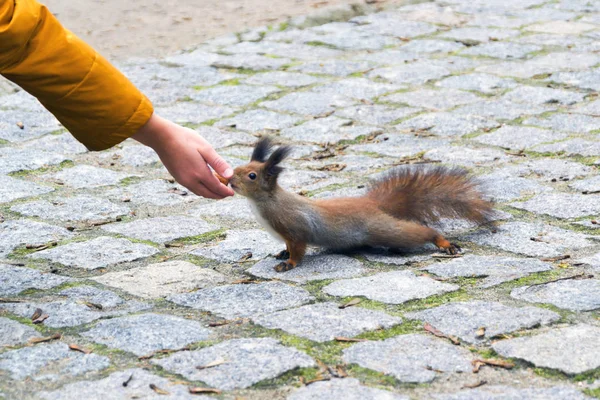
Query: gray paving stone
x=74, y=310
x=432, y=13
x=220, y=138
x=133, y=156
x=306, y=180
x=234, y=301
x=433, y=99
x=432, y=46
x=412, y=358
x=307, y=103
x=479, y=35
x=495, y=270
x=193, y=113
x=21, y=232
x=157, y=192
x=50, y=362
x=591, y=108
x=104, y=298
x=500, y=109
x=78, y=208
x=388, y=57
x=146, y=333
x=237, y=95
x=14, y=280
x=160, y=75
x=13, y=333
x=358, y=40
x=561, y=205
x=333, y=67
x=161, y=229
x=561, y=27
x=519, y=137
x=541, y=65
x=239, y=243
x=375, y=114
x=96, y=253
x=233, y=208
x=567, y=122
x=356, y=88
x=63, y=143
x=112, y=387
x=247, y=361
x=503, y=392
x=574, y=295
x=543, y=95
x=399, y=145
x=516, y=238
x=546, y=39
x=389, y=24
x=573, y=349
x=554, y=169
x=593, y=260
x=347, y=388
x=18, y=99
x=312, y=268
x=322, y=322
x=35, y=124
x=571, y=147
x=500, y=186
x=280, y=78
x=505, y=50
x=259, y=120
x=86, y=176
x=250, y=61
x=483, y=83
x=395, y=287
x=291, y=50
x=162, y=279
x=388, y=257
x=466, y=156
x=447, y=124
x=582, y=79
x=16, y=159
x=327, y=130
x=412, y=73
x=590, y=185
x=463, y=319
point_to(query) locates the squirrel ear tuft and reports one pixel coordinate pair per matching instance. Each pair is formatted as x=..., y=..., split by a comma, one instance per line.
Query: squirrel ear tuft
x=272, y=165
x=261, y=149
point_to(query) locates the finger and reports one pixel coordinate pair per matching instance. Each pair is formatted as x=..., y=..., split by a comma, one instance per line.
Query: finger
x=212, y=183
x=200, y=190
x=216, y=161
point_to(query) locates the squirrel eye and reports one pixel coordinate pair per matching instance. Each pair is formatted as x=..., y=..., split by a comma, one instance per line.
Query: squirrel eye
x=252, y=175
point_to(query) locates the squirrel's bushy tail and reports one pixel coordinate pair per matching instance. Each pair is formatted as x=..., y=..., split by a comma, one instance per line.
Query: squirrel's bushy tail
x=427, y=194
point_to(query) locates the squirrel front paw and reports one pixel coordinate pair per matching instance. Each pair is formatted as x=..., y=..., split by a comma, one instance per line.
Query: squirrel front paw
x=282, y=255
x=284, y=266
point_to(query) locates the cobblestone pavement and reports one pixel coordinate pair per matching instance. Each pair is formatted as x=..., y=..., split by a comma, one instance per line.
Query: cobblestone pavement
x=117, y=283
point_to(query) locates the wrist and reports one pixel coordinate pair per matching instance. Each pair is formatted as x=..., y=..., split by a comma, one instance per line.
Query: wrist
x=154, y=132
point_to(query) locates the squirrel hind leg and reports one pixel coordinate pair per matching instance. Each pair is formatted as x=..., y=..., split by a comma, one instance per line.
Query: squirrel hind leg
x=296, y=254
x=406, y=234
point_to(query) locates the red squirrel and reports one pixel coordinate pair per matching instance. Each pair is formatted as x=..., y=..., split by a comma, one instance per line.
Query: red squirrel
x=393, y=213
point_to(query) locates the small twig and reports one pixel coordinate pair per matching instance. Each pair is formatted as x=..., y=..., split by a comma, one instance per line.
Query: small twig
x=578, y=276
x=559, y=258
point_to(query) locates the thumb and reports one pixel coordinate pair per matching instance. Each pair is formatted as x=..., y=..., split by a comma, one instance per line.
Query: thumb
x=216, y=162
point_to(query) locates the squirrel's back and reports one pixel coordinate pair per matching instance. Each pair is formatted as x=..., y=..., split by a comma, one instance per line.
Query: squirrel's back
x=426, y=194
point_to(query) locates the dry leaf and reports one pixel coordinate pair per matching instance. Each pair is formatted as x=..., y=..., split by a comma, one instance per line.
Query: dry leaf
x=211, y=364
x=20, y=125
x=318, y=379
x=346, y=339
x=56, y=336
x=351, y=303
x=79, y=348
x=36, y=314
x=245, y=257
x=439, y=333
x=201, y=390
x=5, y=300
x=41, y=319
x=174, y=244
x=331, y=167
x=243, y=282
x=218, y=323
x=480, y=332
x=158, y=390
x=559, y=258
x=93, y=305
x=477, y=364
x=474, y=385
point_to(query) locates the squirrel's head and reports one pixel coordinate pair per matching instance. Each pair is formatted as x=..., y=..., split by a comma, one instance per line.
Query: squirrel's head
x=260, y=175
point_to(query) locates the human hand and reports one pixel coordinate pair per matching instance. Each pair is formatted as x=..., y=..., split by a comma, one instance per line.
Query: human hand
x=186, y=155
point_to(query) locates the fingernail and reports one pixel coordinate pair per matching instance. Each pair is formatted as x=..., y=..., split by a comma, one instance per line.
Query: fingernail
x=228, y=173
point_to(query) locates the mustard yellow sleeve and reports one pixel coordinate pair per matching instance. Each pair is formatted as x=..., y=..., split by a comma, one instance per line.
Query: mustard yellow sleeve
x=89, y=96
